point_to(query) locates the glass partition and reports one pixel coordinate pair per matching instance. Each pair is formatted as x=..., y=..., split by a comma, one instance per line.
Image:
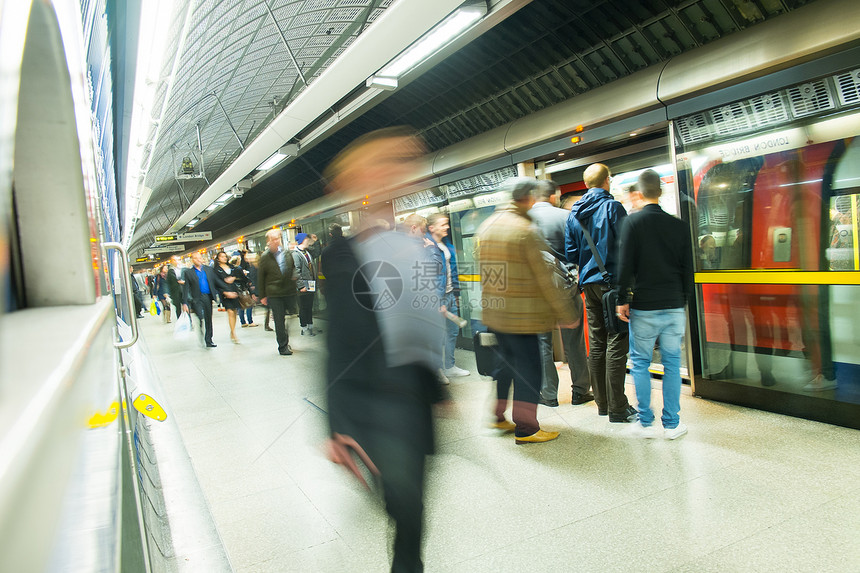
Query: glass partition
x=774, y=218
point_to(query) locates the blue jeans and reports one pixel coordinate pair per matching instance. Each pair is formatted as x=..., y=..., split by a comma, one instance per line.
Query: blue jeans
x=647, y=327
x=249, y=313
x=451, y=330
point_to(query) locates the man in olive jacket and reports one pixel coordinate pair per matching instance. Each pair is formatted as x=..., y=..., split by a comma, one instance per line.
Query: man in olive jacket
x=519, y=301
x=276, y=284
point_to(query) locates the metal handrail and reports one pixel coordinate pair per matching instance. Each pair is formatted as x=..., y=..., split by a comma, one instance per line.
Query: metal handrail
x=129, y=296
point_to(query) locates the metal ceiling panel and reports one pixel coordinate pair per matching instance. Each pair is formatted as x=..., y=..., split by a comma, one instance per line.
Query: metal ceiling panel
x=548, y=52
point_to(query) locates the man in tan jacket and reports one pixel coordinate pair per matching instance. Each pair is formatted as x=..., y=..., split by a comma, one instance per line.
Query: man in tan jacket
x=519, y=301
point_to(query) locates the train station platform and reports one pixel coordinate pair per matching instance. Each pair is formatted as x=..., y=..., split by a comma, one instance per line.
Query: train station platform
x=744, y=490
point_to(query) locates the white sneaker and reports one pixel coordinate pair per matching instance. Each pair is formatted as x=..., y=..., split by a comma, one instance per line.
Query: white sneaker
x=637, y=430
x=675, y=433
x=819, y=384
x=455, y=372
x=442, y=378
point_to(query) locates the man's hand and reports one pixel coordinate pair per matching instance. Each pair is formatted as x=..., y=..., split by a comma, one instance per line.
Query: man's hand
x=339, y=447
x=623, y=312
x=184, y=308
x=313, y=239
x=264, y=300
x=303, y=289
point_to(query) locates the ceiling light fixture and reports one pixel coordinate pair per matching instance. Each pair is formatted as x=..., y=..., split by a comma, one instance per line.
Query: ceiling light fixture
x=289, y=150
x=382, y=83
x=442, y=34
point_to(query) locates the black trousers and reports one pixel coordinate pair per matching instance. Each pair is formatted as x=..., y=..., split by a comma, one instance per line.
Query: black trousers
x=391, y=418
x=306, y=308
x=202, y=307
x=520, y=364
x=607, y=356
x=279, y=305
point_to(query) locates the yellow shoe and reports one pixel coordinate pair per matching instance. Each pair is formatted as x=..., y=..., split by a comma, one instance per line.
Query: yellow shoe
x=504, y=425
x=537, y=437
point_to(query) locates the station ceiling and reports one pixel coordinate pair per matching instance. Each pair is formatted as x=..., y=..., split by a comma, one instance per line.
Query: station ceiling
x=545, y=53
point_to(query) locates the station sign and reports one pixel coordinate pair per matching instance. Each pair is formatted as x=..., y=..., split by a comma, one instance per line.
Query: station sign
x=198, y=236
x=164, y=249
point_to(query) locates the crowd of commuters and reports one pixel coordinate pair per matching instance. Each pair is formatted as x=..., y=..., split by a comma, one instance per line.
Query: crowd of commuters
x=391, y=349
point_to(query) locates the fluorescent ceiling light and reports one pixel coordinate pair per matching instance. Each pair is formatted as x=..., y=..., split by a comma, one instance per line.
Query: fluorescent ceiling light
x=214, y=206
x=193, y=222
x=382, y=83
x=444, y=32
x=278, y=156
x=273, y=160
x=225, y=197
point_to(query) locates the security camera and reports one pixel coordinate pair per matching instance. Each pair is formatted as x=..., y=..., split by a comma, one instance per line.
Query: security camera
x=237, y=191
x=245, y=184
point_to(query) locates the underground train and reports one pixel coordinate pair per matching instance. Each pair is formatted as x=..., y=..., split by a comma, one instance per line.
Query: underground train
x=754, y=136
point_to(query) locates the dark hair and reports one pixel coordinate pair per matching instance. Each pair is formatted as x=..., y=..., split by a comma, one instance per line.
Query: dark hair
x=648, y=183
x=335, y=230
x=218, y=256
x=545, y=189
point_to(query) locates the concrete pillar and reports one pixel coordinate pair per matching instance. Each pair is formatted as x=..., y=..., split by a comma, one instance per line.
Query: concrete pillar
x=526, y=169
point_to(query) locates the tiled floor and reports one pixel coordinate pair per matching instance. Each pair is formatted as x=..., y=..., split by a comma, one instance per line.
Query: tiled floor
x=744, y=491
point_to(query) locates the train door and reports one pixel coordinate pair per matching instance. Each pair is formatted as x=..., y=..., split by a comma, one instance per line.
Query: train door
x=775, y=211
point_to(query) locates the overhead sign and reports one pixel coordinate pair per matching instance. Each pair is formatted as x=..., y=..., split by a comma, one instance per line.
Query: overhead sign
x=142, y=260
x=199, y=236
x=164, y=249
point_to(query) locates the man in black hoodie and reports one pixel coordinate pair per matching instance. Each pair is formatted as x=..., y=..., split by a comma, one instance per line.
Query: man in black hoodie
x=603, y=216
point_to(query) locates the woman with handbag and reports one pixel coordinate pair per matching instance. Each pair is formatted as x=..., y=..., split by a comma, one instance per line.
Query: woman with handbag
x=246, y=300
x=230, y=281
x=162, y=292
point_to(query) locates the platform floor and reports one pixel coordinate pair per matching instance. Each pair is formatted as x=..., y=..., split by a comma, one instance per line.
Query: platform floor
x=745, y=490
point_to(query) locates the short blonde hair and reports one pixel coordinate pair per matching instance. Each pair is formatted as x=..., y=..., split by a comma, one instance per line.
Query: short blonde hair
x=595, y=175
x=235, y=260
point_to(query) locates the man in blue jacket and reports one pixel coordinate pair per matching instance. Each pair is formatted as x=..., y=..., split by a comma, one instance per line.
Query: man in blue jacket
x=437, y=231
x=604, y=217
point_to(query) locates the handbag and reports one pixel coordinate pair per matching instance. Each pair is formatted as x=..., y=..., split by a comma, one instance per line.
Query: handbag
x=245, y=299
x=562, y=276
x=614, y=324
x=485, y=352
